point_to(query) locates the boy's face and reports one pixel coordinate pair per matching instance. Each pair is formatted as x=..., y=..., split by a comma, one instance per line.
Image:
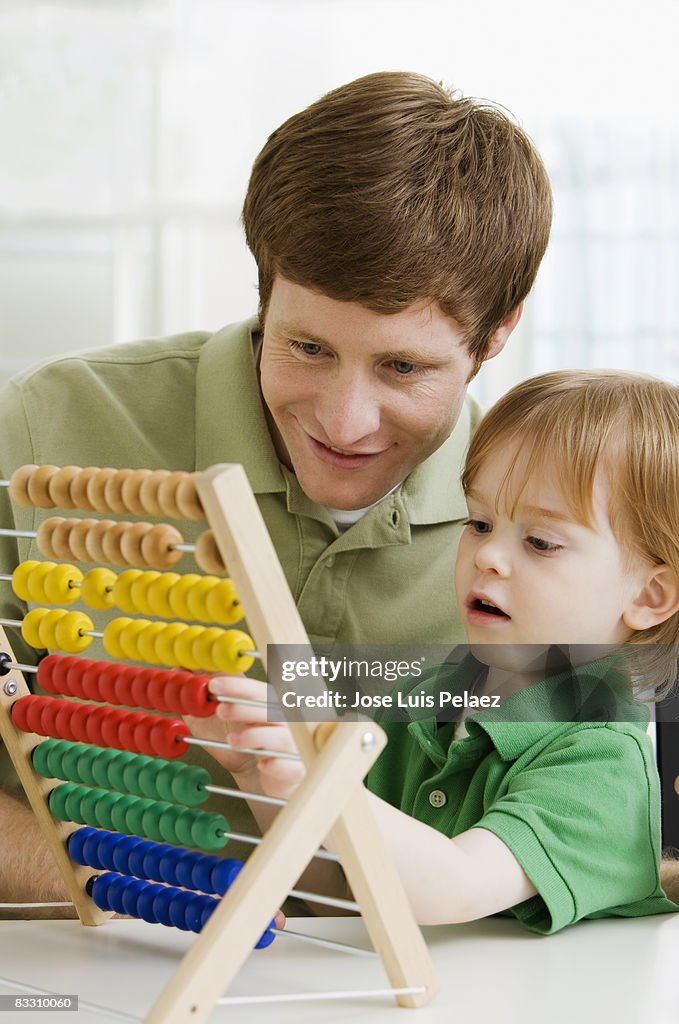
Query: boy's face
x=536, y=575
x=358, y=399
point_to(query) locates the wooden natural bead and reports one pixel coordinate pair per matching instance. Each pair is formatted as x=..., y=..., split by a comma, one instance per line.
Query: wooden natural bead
x=148, y=492
x=130, y=543
x=60, y=486
x=38, y=486
x=157, y=546
x=18, y=486
x=129, y=492
x=79, y=486
x=94, y=538
x=167, y=495
x=44, y=536
x=113, y=488
x=77, y=538
x=96, y=486
x=187, y=500
x=207, y=554
x=111, y=544
x=61, y=539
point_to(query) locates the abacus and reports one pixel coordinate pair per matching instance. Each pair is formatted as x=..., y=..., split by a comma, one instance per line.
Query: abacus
x=120, y=810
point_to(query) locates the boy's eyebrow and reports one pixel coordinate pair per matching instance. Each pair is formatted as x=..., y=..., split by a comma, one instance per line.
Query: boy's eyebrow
x=537, y=511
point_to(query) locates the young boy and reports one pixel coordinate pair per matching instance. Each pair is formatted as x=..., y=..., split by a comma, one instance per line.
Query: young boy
x=568, y=584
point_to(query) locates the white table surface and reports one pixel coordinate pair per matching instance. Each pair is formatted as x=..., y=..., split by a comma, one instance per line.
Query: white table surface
x=622, y=971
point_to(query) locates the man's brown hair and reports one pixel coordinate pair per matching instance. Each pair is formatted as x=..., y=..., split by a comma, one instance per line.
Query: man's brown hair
x=392, y=190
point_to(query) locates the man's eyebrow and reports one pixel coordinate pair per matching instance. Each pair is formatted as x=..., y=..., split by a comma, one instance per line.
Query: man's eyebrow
x=535, y=511
x=291, y=331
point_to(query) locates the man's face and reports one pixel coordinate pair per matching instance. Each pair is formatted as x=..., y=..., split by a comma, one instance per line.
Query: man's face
x=358, y=399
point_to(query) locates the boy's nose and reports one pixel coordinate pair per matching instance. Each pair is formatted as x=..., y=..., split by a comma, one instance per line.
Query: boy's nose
x=491, y=555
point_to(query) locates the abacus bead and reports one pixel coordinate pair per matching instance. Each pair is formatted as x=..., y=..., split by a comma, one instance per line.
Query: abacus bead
x=94, y=539
x=167, y=495
x=163, y=779
x=47, y=626
x=178, y=595
x=227, y=653
x=123, y=685
x=139, y=589
x=223, y=875
x=30, y=627
x=99, y=768
x=57, y=802
x=200, y=877
x=115, y=894
x=196, y=597
x=70, y=630
x=129, y=492
x=43, y=537
x=36, y=580
x=165, y=642
x=56, y=719
x=148, y=491
x=103, y=677
x=135, y=815
x=195, y=698
x=207, y=554
x=150, y=822
x=158, y=546
x=173, y=689
x=123, y=850
x=168, y=823
x=72, y=678
x=40, y=760
x=146, y=904
x=19, y=714
x=178, y=908
x=72, y=804
x=62, y=585
x=116, y=770
x=167, y=736
x=266, y=939
x=76, y=841
x=168, y=861
x=158, y=594
x=18, y=486
x=122, y=590
x=88, y=756
x=21, y=579
x=89, y=802
x=108, y=725
x=150, y=866
x=78, y=722
x=207, y=912
x=131, y=774
x=194, y=911
x=90, y=849
x=131, y=893
x=143, y=732
x=187, y=500
x=107, y=844
x=111, y=544
x=77, y=538
x=60, y=538
x=222, y=604
x=47, y=673
x=60, y=486
x=120, y=812
x=79, y=486
x=188, y=785
x=69, y=763
x=111, y=639
x=130, y=543
x=146, y=642
x=140, y=687
x=38, y=486
x=203, y=644
x=183, y=647
x=95, y=486
x=96, y=589
x=162, y=901
x=157, y=691
x=207, y=831
x=54, y=757
x=113, y=488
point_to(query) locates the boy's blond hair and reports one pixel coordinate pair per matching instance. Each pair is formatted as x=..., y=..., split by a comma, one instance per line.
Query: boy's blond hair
x=575, y=423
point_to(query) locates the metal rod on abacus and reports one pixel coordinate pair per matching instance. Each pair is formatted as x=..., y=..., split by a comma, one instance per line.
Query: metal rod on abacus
x=222, y=745
x=32, y=534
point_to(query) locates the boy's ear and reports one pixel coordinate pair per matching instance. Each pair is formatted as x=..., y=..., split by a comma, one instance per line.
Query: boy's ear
x=656, y=601
x=499, y=339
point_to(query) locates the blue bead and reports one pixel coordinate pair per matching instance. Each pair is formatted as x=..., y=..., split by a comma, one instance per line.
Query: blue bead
x=91, y=850
x=134, y=887
x=201, y=873
x=76, y=841
x=116, y=890
x=135, y=861
x=121, y=854
x=101, y=890
x=194, y=911
x=168, y=864
x=146, y=904
x=162, y=901
x=178, y=909
x=224, y=873
x=184, y=868
x=151, y=865
x=207, y=912
x=107, y=844
x=266, y=940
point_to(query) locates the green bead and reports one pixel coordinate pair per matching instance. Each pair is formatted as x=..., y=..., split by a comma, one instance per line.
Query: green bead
x=150, y=822
x=106, y=806
x=54, y=758
x=86, y=760
x=185, y=824
x=207, y=829
x=164, y=778
x=99, y=770
x=168, y=823
x=69, y=763
x=116, y=770
x=132, y=774
x=73, y=802
x=135, y=815
x=120, y=810
x=89, y=805
x=188, y=784
x=57, y=800
x=39, y=757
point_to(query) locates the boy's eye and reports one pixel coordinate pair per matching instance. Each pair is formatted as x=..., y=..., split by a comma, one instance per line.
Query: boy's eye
x=540, y=544
x=479, y=526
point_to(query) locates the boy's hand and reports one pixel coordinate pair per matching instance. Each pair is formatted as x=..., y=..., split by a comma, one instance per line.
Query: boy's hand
x=242, y=725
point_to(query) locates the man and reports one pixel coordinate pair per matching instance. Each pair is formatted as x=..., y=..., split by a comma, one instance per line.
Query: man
x=397, y=230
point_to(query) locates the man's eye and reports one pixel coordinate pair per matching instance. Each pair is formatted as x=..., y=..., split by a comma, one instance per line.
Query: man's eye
x=403, y=367
x=309, y=348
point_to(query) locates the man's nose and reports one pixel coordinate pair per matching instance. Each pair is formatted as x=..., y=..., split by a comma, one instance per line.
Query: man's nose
x=348, y=411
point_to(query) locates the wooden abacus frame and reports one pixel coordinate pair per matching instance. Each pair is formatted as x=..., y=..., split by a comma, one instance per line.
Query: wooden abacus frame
x=331, y=799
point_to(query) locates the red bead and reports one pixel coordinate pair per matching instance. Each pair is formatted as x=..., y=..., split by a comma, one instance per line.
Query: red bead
x=75, y=672
x=36, y=709
x=127, y=731
x=172, y=692
x=111, y=725
x=195, y=698
x=108, y=674
x=89, y=682
x=47, y=673
x=123, y=685
x=57, y=720
x=19, y=713
x=155, y=695
x=93, y=725
x=78, y=724
x=140, y=685
x=142, y=733
x=167, y=738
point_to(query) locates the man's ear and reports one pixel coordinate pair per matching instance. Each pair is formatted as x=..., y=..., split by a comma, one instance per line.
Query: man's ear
x=656, y=602
x=499, y=339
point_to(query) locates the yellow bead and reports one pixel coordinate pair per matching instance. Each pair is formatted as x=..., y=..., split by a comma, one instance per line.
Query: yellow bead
x=197, y=596
x=36, y=581
x=48, y=627
x=178, y=596
x=202, y=646
x=111, y=640
x=183, y=647
x=69, y=631
x=20, y=582
x=222, y=604
x=129, y=638
x=227, y=652
x=121, y=590
x=62, y=584
x=165, y=642
x=147, y=642
x=158, y=594
x=139, y=591
x=96, y=589
x=30, y=627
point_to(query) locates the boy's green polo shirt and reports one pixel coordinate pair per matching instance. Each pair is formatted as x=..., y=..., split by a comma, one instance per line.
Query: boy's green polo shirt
x=577, y=802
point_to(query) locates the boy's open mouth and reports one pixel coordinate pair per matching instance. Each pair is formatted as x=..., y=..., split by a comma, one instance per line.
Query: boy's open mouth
x=481, y=604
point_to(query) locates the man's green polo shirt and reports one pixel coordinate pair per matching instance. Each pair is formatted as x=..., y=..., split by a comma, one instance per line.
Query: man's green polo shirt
x=577, y=802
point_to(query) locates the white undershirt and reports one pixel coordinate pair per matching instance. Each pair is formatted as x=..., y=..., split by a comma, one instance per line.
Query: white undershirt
x=346, y=517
